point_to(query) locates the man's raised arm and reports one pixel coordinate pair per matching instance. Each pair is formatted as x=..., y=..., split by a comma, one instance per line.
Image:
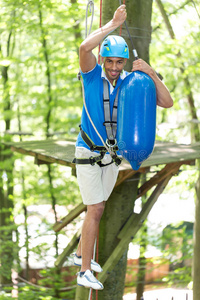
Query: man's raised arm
x=87, y=59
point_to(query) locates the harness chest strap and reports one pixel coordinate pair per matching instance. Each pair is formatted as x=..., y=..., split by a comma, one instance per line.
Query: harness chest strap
x=110, y=124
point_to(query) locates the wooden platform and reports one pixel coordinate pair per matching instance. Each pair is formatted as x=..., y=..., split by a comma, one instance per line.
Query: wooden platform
x=62, y=152
x=169, y=156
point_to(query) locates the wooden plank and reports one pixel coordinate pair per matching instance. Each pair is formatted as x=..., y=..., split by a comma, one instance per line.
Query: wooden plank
x=165, y=153
x=130, y=229
x=126, y=174
x=70, y=217
x=48, y=151
x=68, y=250
x=162, y=174
x=62, y=152
x=123, y=175
x=39, y=162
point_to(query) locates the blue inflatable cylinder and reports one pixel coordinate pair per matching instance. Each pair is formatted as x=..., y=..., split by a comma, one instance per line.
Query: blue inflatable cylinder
x=136, y=118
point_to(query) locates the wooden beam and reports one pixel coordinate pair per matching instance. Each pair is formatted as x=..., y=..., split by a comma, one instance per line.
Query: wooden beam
x=71, y=216
x=123, y=175
x=68, y=250
x=126, y=174
x=39, y=162
x=168, y=169
x=145, y=210
x=131, y=228
x=45, y=156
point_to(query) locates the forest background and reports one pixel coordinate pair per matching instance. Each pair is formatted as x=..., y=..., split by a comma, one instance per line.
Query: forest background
x=40, y=98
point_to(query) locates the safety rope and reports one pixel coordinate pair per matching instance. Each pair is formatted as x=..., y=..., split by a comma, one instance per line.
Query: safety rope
x=109, y=149
x=120, y=30
x=96, y=246
x=94, y=253
x=91, y=6
x=100, y=24
x=97, y=258
x=133, y=48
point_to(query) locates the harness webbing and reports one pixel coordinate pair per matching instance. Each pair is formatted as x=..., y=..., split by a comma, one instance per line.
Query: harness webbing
x=96, y=159
x=110, y=124
x=111, y=130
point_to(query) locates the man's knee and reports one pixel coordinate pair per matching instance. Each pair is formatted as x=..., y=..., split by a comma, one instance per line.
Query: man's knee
x=96, y=210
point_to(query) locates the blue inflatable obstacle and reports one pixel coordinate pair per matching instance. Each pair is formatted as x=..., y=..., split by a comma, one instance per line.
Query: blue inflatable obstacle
x=136, y=118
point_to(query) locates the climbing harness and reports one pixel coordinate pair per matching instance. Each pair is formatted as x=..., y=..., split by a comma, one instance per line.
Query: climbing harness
x=111, y=128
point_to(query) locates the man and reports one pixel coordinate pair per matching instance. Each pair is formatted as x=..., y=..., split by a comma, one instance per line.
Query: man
x=96, y=182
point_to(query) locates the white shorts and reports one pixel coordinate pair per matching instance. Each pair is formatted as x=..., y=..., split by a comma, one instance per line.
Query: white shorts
x=96, y=183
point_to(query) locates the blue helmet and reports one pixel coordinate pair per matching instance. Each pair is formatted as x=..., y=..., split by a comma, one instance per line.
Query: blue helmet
x=114, y=46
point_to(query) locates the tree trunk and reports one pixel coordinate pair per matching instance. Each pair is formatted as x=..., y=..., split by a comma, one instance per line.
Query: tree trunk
x=6, y=187
x=142, y=266
x=118, y=209
x=142, y=259
x=139, y=24
x=196, y=261
x=48, y=123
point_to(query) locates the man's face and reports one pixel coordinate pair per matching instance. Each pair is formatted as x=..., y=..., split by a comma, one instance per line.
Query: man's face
x=113, y=67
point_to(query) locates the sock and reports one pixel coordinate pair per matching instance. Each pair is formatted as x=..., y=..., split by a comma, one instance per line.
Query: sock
x=78, y=256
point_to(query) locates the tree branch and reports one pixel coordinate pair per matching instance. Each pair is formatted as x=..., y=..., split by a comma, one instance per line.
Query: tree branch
x=187, y=83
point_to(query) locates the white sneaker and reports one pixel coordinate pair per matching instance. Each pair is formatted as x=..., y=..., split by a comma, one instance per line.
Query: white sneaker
x=94, y=265
x=89, y=281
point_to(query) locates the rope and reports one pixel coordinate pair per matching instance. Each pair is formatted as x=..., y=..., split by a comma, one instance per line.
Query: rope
x=88, y=114
x=120, y=31
x=100, y=24
x=133, y=48
x=90, y=6
x=94, y=253
x=97, y=258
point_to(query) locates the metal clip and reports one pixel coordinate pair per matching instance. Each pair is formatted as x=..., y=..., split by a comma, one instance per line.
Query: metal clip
x=111, y=145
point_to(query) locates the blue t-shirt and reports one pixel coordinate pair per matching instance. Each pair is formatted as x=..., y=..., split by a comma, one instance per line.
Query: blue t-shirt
x=93, y=87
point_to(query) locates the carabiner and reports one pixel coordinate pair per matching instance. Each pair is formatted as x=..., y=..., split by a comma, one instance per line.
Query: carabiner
x=111, y=145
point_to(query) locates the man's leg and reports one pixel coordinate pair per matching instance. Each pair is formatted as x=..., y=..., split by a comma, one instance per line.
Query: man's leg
x=89, y=233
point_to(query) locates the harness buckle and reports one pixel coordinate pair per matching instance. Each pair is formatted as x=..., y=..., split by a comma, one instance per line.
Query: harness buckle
x=92, y=148
x=92, y=161
x=117, y=160
x=111, y=143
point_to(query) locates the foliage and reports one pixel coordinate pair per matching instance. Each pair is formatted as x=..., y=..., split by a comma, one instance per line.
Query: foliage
x=29, y=293
x=40, y=97
x=178, y=249
x=166, y=59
